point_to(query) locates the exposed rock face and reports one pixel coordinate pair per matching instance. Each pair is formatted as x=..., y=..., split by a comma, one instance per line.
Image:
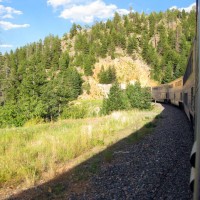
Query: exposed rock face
x=128, y=71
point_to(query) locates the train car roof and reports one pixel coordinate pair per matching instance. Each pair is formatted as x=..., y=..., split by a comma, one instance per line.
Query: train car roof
x=167, y=84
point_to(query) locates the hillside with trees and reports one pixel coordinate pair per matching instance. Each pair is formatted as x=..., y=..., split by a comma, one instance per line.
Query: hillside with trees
x=163, y=40
x=40, y=79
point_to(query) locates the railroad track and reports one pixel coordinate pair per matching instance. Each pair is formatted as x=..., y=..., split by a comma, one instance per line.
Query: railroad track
x=157, y=167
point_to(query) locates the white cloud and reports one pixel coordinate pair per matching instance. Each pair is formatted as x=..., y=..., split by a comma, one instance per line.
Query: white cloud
x=57, y=3
x=66, y=3
x=6, y=46
x=123, y=11
x=7, y=16
x=8, y=25
x=173, y=8
x=187, y=9
x=85, y=11
x=8, y=12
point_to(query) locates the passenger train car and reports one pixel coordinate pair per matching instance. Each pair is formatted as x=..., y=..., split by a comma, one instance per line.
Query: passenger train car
x=184, y=92
x=175, y=93
x=160, y=93
x=180, y=92
x=189, y=84
x=169, y=93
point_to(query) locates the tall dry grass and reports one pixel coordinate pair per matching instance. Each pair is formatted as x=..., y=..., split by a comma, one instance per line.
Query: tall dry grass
x=27, y=153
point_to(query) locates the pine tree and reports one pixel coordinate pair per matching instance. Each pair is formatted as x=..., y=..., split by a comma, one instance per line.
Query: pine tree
x=116, y=20
x=111, y=50
x=31, y=90
x=116, y=100
x=152, y=24
x=122, y=41
x=128, y=26
x=73, y=30
x=107, y=76
x=138, y=97
x=131, y=45
x=134, y=95
x=88, y=65
x=64, y=60
x=168, y=73
x=103, y=48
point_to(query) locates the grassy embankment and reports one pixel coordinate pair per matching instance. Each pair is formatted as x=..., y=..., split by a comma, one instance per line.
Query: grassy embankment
x=30, y=154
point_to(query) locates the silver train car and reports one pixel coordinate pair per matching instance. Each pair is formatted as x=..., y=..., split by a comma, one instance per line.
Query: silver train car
x=196, y=147
x=189, y=84
x=175, y=92
x=184, y=92
x=169, y=93
x=160, y=93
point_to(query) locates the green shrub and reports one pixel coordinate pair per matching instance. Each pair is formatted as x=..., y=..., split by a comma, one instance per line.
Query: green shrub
x=138, y=97
x=133, y=97
x=33, y=122
x=11, y=115
x=86, y=87
x=107, y=76
x=116, y=100
x=74, y=112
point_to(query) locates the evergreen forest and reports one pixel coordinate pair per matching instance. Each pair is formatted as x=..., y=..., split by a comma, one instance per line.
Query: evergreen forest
x=38, y=81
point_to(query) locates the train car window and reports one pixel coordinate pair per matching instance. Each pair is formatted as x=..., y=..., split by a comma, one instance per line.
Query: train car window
x=174, y=96
x=186, y=98
x=181, y=96
x=171, y=86
x=156, y=88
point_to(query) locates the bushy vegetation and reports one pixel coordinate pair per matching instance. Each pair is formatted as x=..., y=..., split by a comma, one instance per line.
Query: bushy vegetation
x=107, y=76
x=74, y=112
x=133, y=97
x=116, y=100
x=82, y=109
x=138, y=97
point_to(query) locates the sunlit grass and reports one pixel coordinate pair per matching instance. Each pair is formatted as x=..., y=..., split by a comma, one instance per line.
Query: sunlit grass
x=27, y=153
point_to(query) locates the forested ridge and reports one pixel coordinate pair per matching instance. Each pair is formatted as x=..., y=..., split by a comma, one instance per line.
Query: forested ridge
x=39, y=80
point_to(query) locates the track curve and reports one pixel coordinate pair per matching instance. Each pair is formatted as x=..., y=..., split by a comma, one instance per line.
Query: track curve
x=157, y=167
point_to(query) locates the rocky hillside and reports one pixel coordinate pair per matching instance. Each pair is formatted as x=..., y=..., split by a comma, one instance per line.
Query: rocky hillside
x=128, y=71
x=150, y=48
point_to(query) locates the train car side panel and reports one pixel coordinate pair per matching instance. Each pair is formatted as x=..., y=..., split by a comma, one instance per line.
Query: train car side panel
x=175, y=91
x=189, y=85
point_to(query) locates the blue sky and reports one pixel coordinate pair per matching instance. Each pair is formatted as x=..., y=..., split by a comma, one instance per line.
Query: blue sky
x=26, y=21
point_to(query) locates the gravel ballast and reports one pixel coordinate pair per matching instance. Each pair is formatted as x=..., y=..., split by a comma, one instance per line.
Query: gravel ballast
x=156, y=167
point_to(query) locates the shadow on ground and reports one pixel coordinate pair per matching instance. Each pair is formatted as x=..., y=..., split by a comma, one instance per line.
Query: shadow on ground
x=77, y=180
